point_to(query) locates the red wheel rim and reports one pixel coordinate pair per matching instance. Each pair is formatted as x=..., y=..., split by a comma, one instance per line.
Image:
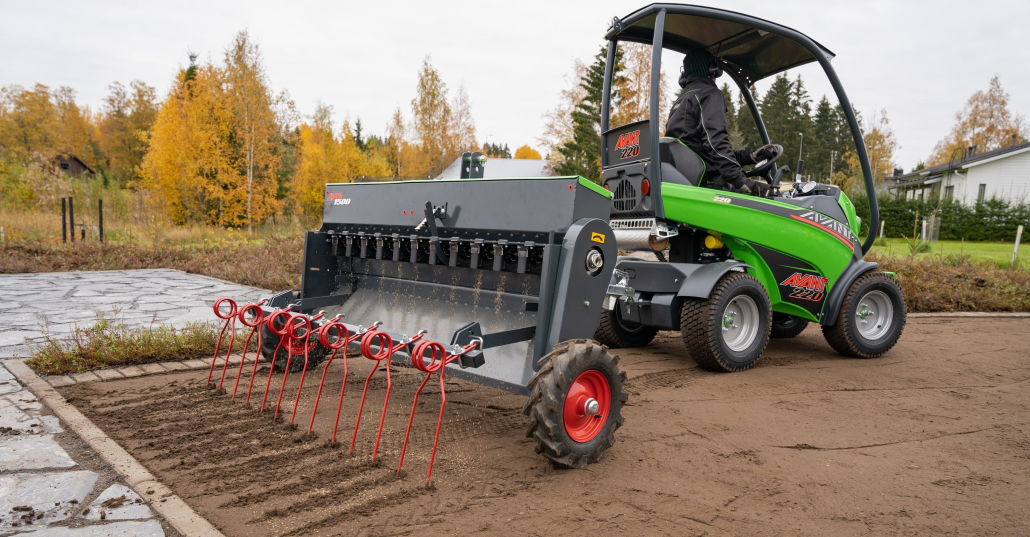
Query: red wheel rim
x=583, y=418
x=297, y=346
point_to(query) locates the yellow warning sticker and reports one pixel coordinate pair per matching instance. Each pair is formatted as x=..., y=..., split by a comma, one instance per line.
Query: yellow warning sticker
x=597, y=237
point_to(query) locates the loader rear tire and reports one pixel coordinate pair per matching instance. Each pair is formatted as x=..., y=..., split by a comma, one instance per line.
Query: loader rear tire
x=617, y=333
x=575, y=403
x=787, y=326
x=871, y=317
x=727, y=331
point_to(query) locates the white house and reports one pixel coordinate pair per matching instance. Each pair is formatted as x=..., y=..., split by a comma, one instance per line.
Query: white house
x=973, y=177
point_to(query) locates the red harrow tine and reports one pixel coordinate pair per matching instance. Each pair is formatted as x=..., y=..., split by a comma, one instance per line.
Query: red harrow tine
x=255, y=325
x=343, y=386
x=284, y=335
x=307, y=337
x=437, y=362
x=341, y=342
x=386, y=350
x=230, y=319
x=292, y=327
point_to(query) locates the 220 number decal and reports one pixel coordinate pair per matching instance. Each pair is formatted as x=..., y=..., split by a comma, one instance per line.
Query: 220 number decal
x=806, y=294
x=630, y=152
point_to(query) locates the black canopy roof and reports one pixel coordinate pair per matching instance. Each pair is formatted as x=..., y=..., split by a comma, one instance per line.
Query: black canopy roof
x=754, y=48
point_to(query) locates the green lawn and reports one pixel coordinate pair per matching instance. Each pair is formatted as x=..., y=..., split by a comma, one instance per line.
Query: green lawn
x=1000, y=252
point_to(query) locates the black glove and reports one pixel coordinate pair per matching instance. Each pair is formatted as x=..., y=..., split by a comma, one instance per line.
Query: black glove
x=759, y=189
x=765, y=152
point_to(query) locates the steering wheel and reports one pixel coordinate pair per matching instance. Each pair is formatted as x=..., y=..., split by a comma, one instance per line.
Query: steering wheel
x=763, y=168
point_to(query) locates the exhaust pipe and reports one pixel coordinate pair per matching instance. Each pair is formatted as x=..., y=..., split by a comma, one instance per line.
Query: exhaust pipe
x=645, y=234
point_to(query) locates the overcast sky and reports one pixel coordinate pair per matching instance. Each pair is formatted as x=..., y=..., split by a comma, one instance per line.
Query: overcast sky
x=918, y=60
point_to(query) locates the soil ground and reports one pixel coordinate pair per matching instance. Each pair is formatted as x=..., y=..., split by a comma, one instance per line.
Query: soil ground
x=933, y=438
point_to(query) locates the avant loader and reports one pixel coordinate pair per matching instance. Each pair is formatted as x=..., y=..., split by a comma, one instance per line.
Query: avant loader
x=518, y=283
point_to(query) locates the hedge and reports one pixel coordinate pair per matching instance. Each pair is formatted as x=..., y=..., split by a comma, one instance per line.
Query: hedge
x=993, y=220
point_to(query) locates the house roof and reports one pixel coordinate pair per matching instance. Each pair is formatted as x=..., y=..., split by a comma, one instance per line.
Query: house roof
x=80, y=161
x=926, y=175
x=502, y=168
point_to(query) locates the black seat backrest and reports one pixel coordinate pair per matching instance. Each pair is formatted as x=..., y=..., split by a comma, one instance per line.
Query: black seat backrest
x=680, y=164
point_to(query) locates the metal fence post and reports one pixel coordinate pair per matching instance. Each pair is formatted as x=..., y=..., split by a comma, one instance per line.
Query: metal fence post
x=64, y=219
x=100, y=220
x=1015, y=251
x=71, y=216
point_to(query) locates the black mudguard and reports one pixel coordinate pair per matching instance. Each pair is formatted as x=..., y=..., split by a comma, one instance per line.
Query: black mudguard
x=840, y=288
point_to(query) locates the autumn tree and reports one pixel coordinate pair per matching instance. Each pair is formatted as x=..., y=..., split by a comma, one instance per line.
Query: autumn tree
x=633, y=87
x=188, y=161
x=985, y=121
x=558, y=124
x=127, y=116
x=526, y=152
x=42, y=123
x=253, y=126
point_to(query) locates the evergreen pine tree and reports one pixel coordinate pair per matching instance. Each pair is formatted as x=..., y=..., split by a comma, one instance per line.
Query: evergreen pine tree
x=582, y=154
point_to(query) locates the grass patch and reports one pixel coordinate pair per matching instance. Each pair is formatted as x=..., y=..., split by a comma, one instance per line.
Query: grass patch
x=110, y=343
x=997, y=252
x=272, y=262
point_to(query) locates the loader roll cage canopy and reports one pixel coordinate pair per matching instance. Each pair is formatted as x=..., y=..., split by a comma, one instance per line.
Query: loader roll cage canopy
x=750, y=50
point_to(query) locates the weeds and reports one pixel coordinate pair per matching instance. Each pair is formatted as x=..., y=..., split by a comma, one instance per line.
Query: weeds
x=111, y=343
x=956, y=282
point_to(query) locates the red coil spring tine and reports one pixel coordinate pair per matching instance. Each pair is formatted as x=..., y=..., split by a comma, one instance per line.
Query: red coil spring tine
x=418, y=360
x=385, y=349
x=343, y=387
x=229, y=319
x=303, y=372
x=255, y=325
x=339, y=343
x=283, y=334
x=292, y=335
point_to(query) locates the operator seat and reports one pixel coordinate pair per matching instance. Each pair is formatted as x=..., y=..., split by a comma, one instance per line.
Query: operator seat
x=680, y=164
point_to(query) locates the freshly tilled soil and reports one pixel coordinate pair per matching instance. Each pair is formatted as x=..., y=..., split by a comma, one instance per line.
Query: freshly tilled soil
x=933, y=437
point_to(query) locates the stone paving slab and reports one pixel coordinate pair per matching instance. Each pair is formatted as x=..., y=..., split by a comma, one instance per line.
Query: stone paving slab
x=55, y=496
x=148, y=528
x=62, y=300
x=118, y=502
x=32, y=452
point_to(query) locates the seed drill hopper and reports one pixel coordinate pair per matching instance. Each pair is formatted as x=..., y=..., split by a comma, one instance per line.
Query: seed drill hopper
x=499, y=282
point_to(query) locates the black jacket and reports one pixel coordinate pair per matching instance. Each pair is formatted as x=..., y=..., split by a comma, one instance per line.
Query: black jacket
x=698, y=118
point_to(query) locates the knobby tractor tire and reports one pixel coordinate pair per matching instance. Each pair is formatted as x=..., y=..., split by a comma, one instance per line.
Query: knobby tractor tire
x=548, y=411
x=846, y=335
x=702, y=322
x=787, y=326
x=616, y=333
x=269, y=342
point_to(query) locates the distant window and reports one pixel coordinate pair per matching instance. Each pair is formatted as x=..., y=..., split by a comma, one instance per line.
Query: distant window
x=983, y=192
x=66, y=166
x=949, y=192
x=921, y=192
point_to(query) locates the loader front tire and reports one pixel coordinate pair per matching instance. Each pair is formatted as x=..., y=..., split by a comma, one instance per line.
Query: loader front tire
x=617, y=333
x=727, y=331
x=871, y=317
x=575, y=403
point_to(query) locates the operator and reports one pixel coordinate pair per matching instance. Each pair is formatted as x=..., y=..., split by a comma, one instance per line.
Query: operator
x=698, y=118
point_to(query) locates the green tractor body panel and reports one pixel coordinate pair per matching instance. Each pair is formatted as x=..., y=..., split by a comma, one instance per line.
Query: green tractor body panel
x=797, y=253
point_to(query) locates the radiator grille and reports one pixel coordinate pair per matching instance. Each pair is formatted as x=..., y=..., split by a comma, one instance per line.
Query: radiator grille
x=625, y=196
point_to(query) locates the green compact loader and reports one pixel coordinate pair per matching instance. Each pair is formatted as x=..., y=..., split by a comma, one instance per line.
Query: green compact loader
x=734, y=269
